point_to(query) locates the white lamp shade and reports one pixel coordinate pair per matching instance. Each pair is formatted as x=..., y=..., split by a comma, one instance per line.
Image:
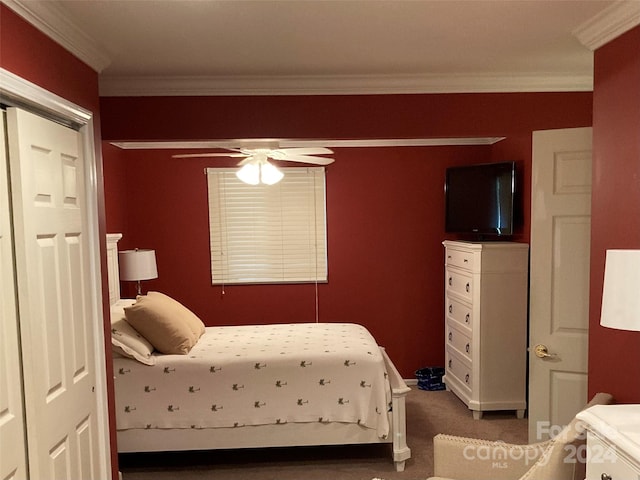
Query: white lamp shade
x=270, y=174
x=258, y=170
x=621, y=290
x=139, y=264
x=250, y=173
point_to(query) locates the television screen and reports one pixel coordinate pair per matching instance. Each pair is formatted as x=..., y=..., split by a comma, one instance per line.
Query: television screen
x=480, y=199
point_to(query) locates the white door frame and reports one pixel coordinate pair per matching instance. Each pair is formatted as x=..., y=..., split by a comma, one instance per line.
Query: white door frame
x=16, y=91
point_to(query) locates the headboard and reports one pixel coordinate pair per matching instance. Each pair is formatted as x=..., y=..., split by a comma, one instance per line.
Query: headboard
x=112, y=267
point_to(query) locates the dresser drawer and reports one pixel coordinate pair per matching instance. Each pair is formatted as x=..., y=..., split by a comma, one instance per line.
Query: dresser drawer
x=460, y=258
x=604, y=461
x=459, y=312
x=459, y=283
x=458, y=368
x=457, y=339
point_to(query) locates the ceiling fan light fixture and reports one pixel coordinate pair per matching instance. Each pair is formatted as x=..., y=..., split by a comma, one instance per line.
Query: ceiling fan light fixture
x=269, y=174
x=259, y=171
x=249, y=173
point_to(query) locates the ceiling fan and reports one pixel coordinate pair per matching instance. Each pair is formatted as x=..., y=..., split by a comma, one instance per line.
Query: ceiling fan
x=255, y=164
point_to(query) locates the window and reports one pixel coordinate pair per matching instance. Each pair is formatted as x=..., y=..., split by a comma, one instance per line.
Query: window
x=267, y=233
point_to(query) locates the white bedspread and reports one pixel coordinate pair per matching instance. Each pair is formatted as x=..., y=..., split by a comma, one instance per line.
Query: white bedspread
x=256, y=375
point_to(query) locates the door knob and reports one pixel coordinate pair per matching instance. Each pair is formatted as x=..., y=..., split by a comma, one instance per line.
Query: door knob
x=542, y=351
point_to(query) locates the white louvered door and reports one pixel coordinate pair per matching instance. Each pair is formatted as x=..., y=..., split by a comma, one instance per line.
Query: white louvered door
x=52, y=248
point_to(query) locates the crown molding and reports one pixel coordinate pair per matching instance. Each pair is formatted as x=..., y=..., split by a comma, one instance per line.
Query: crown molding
x=289, y=143
x=51, y=20
x=340, y=85
x=612, y=22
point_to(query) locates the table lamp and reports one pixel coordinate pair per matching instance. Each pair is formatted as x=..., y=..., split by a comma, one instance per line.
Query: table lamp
x=137, y=265
x=621, y=290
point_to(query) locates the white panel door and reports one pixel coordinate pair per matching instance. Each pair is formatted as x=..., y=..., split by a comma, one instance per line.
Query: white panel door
x=13, y=460
x=55, y=304
x=559, y=288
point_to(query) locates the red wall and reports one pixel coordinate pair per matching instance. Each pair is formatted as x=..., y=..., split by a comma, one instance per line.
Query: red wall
x=385, y=224
x=31, y=55
x=359, y=116
x=614, y=356
x=385, y=205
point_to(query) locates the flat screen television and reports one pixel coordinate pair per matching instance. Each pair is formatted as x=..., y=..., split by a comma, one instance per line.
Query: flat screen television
x=479, y=199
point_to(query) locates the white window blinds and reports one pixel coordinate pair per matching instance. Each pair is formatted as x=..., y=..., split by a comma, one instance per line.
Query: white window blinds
x=267, y=233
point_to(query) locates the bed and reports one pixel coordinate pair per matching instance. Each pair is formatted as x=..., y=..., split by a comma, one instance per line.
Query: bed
x=254, y=386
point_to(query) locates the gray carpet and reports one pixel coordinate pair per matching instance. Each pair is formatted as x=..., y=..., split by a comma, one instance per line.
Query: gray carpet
x=428, y=413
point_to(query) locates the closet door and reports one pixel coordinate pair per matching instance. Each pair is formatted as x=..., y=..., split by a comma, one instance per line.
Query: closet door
x=13, y=462
x=53, y=277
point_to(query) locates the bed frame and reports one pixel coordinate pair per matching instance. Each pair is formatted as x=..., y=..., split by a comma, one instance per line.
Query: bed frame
x=286, y=435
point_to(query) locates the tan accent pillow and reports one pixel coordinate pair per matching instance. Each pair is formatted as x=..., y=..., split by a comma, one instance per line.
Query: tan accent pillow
x=195, y=324
x=126, y=341
x=161, y=320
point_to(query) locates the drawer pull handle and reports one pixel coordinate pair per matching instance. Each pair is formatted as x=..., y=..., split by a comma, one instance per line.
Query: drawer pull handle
x=450, y=308
x=466, y=318
x=450, y=281
x=450, y=336
x=450, y=363
x=605, y=476
x=466, y=378
x=467, y=348
x=466, y=261
x=467, y=287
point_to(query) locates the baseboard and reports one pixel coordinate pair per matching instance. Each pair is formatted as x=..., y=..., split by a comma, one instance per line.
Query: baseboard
x=411, y=381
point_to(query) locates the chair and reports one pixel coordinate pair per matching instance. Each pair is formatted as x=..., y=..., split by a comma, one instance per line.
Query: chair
x=561, y=458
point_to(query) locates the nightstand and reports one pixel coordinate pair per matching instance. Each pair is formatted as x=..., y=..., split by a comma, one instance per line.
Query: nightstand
x=613, y=442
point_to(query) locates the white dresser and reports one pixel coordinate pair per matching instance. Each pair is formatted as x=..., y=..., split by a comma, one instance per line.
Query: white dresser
x=486, y=288
x=613, y=442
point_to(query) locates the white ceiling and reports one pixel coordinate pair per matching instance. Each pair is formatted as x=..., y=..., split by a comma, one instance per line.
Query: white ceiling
x=331, y=46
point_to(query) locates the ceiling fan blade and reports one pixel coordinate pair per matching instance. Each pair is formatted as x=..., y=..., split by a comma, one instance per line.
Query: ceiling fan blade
x=305, y=151
x=200, y=155
x=246, y=160
x=307, y=159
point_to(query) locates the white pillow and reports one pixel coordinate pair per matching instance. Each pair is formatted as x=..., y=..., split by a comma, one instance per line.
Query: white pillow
x=127, y=341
